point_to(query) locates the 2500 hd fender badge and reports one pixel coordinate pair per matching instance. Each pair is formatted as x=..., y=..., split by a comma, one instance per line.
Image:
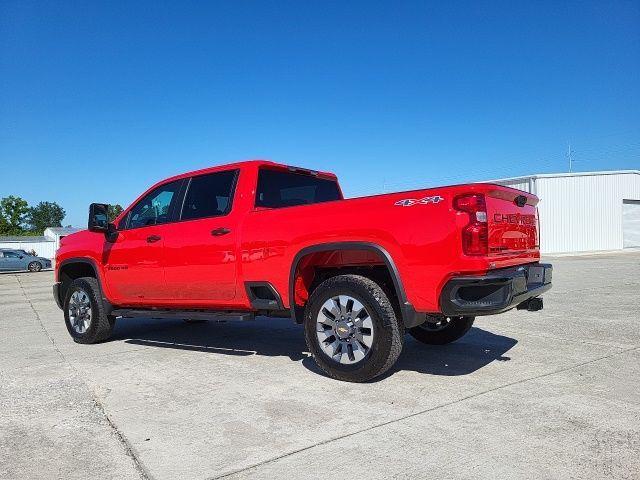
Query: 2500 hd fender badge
x=409, y=202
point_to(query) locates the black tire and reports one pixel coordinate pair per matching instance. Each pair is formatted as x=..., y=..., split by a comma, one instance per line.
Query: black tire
x=101, y=325
x=389, y=333
x=432, y=334
x=34, y=267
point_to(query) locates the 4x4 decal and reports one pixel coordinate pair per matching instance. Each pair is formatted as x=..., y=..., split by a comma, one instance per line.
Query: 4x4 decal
x=408, y=202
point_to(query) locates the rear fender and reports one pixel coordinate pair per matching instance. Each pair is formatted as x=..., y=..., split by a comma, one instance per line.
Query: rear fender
x=409, y=316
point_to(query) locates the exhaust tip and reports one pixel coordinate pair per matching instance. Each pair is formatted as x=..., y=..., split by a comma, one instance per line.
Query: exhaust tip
x=531, y=305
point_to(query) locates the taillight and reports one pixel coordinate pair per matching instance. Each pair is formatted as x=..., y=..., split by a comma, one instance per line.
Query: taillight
x=475, y=235
x=537, y=228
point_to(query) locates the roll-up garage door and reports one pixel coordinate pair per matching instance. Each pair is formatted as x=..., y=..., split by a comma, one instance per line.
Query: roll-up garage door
x=631, y=223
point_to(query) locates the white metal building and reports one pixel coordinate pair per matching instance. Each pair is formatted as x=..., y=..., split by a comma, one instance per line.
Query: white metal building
x=585, y=211
x=57, y=233
x=44, y=246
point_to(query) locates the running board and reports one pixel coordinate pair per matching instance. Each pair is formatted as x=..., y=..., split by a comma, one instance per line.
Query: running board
x=218, y=316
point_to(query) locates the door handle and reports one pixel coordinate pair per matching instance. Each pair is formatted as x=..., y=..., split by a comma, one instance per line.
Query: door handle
x=153, y=238
x=220, y=231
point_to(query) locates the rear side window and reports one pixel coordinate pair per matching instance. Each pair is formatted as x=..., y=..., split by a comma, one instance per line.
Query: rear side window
x=277, y=189
x=209, y=195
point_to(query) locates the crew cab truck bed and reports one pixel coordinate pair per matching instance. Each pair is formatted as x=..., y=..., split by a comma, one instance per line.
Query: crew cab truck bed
x=260, y=238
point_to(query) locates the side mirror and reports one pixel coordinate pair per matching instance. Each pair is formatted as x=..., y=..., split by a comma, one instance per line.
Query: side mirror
x=98, y=217
x=111, y=233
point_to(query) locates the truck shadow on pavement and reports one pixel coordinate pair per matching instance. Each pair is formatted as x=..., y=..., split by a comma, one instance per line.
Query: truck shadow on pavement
x=280, y=337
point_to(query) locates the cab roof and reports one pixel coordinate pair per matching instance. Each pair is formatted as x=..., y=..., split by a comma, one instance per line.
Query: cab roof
x=249, y=163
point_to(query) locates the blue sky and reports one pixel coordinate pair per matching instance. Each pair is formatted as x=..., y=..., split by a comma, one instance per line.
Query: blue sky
x=100, y=99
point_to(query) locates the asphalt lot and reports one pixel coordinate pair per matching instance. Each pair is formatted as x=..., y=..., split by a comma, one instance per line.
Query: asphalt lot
x=550, y=394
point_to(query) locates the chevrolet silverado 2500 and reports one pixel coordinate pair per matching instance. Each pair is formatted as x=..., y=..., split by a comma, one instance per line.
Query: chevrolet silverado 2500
x=260, y=238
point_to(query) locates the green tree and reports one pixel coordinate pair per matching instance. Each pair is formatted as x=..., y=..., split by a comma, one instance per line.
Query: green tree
x=43, y=215
x=4, y=225
x=12, y=215
x=114, y=211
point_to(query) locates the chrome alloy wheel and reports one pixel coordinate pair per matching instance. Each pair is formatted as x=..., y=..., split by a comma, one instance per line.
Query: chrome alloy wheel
x=344, y=329
x=80, y=311
x=435, y=323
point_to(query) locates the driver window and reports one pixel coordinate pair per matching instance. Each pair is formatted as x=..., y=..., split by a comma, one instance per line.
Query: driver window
x=155, y=207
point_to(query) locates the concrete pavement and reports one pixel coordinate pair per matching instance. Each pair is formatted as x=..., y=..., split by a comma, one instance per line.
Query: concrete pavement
x=550, y=394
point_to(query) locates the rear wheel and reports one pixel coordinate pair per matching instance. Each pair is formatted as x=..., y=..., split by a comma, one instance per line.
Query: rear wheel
x=440, y=330
x=34, y=266
x=351, y=328
x=84, y=313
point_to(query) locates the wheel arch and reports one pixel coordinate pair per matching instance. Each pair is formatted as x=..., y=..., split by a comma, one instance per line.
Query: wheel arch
x=78, y=267
x=409, y=316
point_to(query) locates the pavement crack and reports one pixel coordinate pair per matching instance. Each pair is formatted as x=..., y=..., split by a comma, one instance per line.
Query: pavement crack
x=421, y=412
x=122, y=439
x=44, y=329
x=96, y=401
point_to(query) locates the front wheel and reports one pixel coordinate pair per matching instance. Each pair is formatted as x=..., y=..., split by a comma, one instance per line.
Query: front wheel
x=34, y=267
x=84, y=314
x=441, y=330
x=351, y=328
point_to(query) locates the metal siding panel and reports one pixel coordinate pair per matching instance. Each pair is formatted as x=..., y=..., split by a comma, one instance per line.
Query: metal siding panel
x=584, y=213
x=43, y=249
x=554, y=221
x=520, y=185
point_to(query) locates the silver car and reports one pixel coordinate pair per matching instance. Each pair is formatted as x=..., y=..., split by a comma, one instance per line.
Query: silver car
x=20, y=260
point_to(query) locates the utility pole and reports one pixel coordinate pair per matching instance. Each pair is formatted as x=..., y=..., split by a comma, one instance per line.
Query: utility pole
x=570, y=157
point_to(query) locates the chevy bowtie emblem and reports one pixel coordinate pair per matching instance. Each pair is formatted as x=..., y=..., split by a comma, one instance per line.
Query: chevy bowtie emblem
x=408, y=202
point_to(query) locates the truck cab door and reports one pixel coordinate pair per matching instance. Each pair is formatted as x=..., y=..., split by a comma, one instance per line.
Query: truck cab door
x=200, y=247
x=134, y=263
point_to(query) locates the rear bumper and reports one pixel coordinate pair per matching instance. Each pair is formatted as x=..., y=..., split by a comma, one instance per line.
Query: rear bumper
x=56, y=294
x=496, y=292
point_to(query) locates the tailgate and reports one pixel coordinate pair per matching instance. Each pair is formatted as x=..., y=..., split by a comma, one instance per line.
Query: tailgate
x=512, y=219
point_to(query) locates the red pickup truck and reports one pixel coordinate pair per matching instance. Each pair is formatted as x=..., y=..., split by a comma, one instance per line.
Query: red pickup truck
x=260, y=238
